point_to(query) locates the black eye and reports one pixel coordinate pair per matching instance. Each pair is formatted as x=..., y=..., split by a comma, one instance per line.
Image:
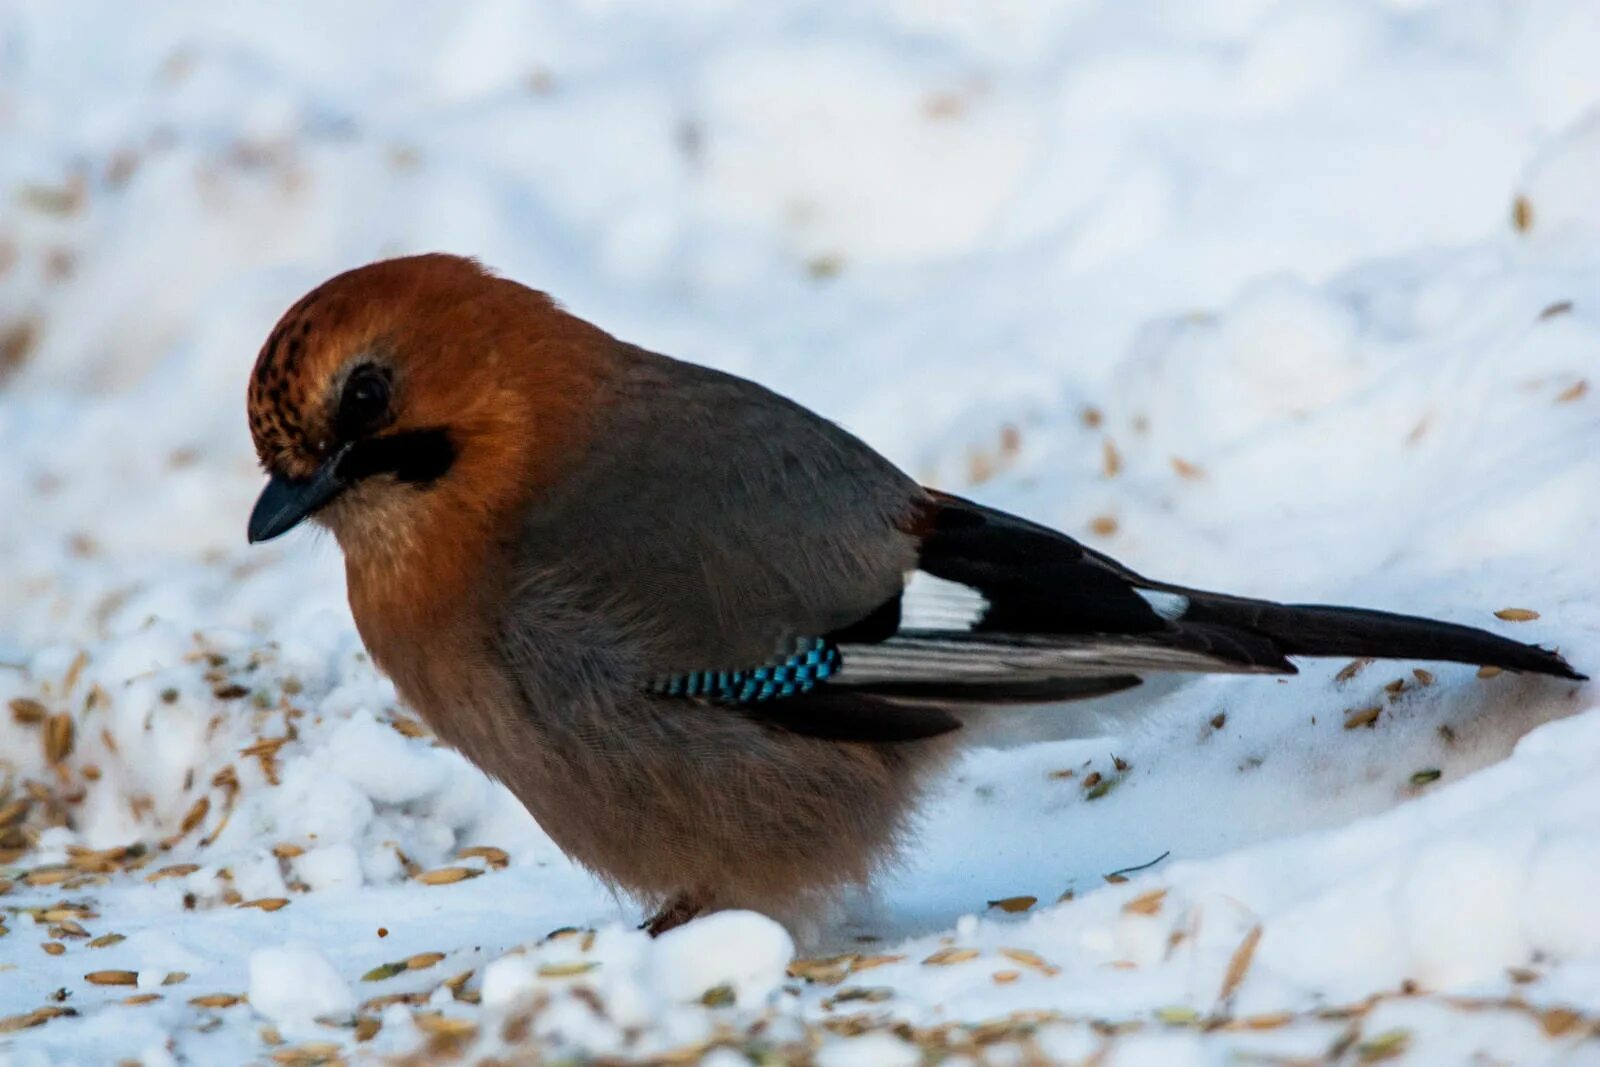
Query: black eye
x=364, y=404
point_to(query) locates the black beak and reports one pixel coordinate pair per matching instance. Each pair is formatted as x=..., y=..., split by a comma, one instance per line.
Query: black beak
x=286, y=502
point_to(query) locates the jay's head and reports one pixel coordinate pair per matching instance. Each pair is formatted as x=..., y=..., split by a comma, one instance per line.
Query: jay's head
x=414, y=392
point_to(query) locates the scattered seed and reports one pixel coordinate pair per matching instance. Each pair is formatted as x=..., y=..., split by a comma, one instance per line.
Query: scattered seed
x=367, y=1027
x=445, y=1026
x=1522, y=975
x=1012, y=905
x=829, y=970
x=48, y=875
x=1351, y=669
x=1432, y=774
x=1146, y=903
x=566, y=968
x=867, y=963
x=54, y=948
x=1184, y=469
x=27, y=711
x=1100, y=789
x=1522, y=214
x=287, y=851
x=1103, y=526
x=1239, y=965
x=216, y=1000
x=1362, y=717
x=58, y=737
x=142, y=998
x=308, y=1054
x=1031, y=960
x=1177, y=1016
x=1575, y=391
x=1489, y=672
x=1110, y=459
x=112, y=978
x=1219, y=720
x=1558, y=1022
x=196, y=814
x=384, y=971
x=1423, y=677
x=265, y=903
x=1385, y=1046
x=1006, y=977
x=175, y=978
x=719, y=996
x=1516, y=614
x=176, y=870
x=423, y=960
x=1092, y=779
x=494, y=857
x=447, y=875
x=947, y=956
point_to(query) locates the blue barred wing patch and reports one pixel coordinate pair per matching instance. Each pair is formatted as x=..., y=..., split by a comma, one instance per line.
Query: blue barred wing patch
x=812, y=662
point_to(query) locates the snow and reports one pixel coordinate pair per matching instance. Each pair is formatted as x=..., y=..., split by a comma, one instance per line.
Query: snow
x=1292, y=299
x=295, y=984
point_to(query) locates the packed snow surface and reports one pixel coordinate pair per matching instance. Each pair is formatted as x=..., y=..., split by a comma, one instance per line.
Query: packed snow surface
x=1296, y=299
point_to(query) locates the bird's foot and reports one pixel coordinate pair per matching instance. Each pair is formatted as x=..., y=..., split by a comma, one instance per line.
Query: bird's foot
x=679, y=910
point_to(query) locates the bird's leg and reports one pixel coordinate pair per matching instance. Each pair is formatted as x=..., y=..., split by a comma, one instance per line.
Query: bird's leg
x=677, y=911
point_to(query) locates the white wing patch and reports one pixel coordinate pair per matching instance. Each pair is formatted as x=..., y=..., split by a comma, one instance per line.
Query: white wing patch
x=1166, y=605
x=930, y=603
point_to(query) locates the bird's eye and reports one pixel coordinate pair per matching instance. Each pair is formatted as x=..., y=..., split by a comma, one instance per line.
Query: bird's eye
x=364, y=404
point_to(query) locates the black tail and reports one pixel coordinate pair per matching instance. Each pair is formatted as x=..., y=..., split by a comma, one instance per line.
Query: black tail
x=1322, y=630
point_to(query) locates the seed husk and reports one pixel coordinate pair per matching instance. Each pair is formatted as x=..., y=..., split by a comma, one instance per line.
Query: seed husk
x=445, y=1025
x=1013, y=905
x=59, y=734
x=53, y=948
x=112, y=978
x=1487, y=671
x=1362, y=717
x=216, y=1000
x=384, y=971
x=1239, y=965
x=48, y=875
x=1516, y=614
x=175, y=978
x=947, y=956
x=1145, y=903
x=828, y=970
x=423, y=960
x=566, y=968
x=176, y=870
x=265, y=903
x=494, y=857
x=1031, y=960
x=142, y=998
x=27, y=711
x=447, y=875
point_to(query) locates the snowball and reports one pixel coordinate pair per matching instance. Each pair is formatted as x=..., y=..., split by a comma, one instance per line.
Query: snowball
x=293, y=985
x=383, y=764
x=333, y=867
x=741, y=949
x=875, y=1049
x=507, y=980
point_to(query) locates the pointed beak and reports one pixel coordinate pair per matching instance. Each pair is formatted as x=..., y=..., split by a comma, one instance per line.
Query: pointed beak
x=286, y=502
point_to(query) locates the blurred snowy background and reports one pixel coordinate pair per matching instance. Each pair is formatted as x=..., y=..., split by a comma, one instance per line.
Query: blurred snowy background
x=1291, y=298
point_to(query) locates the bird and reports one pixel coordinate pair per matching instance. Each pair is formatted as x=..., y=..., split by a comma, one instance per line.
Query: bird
x=714, y=643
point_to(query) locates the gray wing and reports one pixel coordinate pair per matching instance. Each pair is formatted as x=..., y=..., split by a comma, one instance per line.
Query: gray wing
x=718, y=523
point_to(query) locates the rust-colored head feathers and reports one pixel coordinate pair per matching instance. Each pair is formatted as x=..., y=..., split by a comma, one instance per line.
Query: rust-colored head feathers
x=414, y=392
